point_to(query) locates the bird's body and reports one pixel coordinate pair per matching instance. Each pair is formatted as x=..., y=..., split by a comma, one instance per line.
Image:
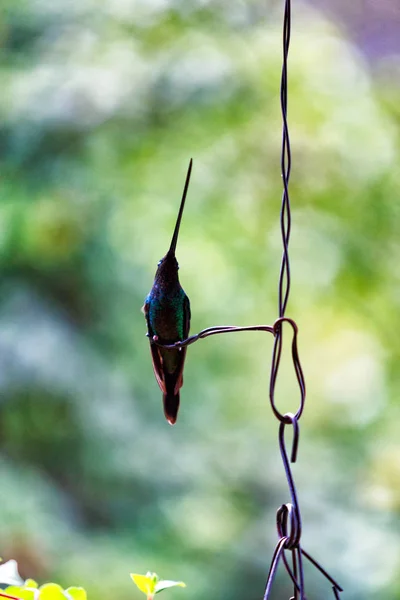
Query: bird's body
x=167, y=312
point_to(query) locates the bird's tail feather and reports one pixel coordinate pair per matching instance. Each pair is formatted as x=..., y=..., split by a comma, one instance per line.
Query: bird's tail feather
x=171, y=407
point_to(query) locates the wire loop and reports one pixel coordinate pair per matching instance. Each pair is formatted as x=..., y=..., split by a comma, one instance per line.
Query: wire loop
x=284, y=514
x=276, y=359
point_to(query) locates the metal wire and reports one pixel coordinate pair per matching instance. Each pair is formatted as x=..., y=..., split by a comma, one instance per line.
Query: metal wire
x=210, y=331
x=289, y=537
x=288, y=518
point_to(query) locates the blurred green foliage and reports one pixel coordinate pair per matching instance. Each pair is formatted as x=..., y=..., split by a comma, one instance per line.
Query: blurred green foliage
x=103, y=102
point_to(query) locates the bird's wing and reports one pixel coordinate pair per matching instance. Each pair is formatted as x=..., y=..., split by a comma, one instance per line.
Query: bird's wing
x=182, y=351
x=158, y=366
x=155, y=351
x=179, y=370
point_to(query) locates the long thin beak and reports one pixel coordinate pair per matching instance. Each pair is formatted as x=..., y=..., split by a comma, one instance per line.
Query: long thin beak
x=178, y=221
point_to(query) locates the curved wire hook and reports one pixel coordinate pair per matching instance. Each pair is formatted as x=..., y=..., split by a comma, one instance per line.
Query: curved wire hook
x=292, y=488
x=288, y=517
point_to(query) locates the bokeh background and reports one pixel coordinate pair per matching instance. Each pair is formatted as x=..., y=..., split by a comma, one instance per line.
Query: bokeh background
x=102, y=104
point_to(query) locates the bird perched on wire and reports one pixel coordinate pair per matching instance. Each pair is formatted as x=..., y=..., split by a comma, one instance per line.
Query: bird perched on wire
x=167, y=313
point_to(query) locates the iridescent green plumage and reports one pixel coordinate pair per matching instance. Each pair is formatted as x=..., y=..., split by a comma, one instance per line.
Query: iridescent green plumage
x=167, y=312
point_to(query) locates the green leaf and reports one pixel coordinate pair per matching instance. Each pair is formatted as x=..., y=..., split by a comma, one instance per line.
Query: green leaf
x=145, y=583
x=164, y=584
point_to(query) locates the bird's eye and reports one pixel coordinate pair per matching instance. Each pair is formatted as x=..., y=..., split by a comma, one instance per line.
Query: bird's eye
x=159, y=262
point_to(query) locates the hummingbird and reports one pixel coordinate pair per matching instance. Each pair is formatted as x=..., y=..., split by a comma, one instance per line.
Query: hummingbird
x=167, y=313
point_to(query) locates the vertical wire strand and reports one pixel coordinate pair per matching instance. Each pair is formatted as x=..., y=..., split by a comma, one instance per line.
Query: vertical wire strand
x=286, y=165
x=289, y=521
